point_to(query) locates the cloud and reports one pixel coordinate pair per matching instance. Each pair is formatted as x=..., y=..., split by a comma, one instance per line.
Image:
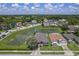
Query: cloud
x=25, y=8
x=77, y=3
x=48, y=6
x=61, y=5
x=32, y=7
x=72, y=7
x=26, y=3
x=2, y=5
x=36, y=5
x=15, y=5
x=56, y=6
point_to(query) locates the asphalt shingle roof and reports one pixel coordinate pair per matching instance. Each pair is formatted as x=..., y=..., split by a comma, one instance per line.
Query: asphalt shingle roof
x=41, y=37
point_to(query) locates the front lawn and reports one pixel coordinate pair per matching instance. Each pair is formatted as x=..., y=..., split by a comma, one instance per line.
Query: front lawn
x=73, y=46
x=15, y=52
x=76, y=53
x=53, y=48
x=52, y=52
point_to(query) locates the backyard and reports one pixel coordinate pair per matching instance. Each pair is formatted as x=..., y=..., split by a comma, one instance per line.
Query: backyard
x=6, y=43
x=49, y=29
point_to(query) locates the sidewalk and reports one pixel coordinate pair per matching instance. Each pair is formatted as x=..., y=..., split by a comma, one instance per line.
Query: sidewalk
x=36, y=52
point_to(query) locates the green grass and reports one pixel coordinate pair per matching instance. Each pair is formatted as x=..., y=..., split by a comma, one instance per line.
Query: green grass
x=4, y=43
x=73, y=46
x=15, y=52
x=52, y=52
x=76, y=53
x=53, y=48
x=49, y=29
x=2, y=30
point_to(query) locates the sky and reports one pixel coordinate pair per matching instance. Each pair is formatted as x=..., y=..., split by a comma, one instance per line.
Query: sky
x=38, y=8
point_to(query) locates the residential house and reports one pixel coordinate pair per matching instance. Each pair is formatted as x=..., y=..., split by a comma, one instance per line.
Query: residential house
x=58, y=39
x=72, y=29
x=50, y=22
x=41, y=38
x=62, y=22
x=19, y=24
x=34, y=22
x=4, y=27
x=46, y=23
x=72, y=37
x=69, y=37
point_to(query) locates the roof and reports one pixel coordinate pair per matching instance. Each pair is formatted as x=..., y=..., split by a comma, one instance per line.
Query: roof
x=69, y=36
x=72, y=28
x=19, y=23
x=72, y=36
x=77, y=39
x=41, y=37
x=56, y=37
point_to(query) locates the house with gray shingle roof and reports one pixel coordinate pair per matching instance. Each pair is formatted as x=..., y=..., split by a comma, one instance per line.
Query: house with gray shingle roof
x=50, y=22
x=41, y=38
x=72, y=29
x=71, y=37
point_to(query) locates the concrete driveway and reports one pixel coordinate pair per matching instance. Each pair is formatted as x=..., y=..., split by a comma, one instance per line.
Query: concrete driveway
x=36, y=52
x=67, y=51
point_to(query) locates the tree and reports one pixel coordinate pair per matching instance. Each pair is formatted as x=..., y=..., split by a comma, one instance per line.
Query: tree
x=77, y=32
x=32, y=44
x=72, y=20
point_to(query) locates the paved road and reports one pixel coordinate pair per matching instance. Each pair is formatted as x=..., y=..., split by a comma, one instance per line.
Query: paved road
x=67, y=51
x=26, y=27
